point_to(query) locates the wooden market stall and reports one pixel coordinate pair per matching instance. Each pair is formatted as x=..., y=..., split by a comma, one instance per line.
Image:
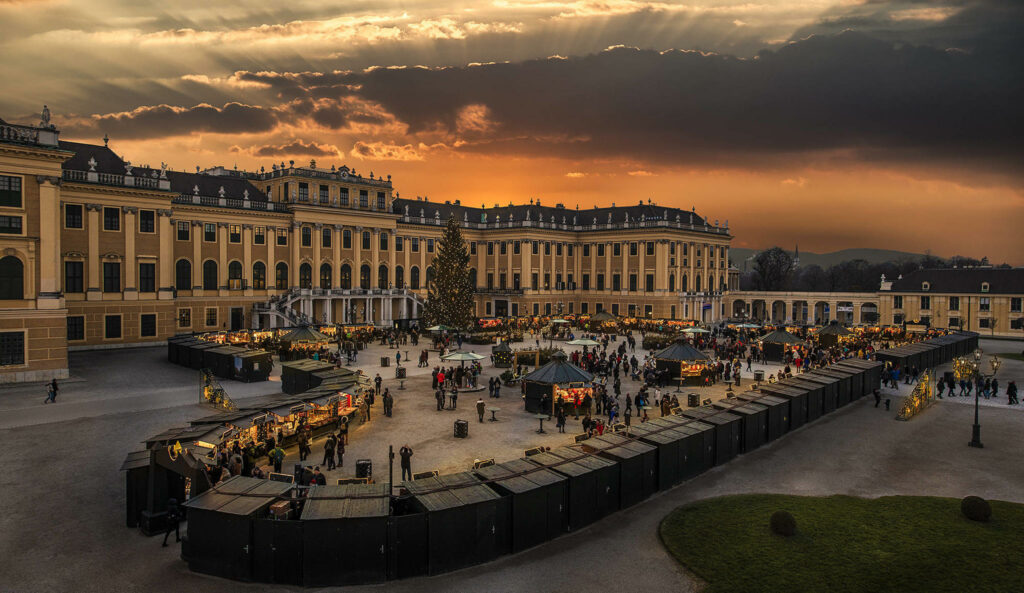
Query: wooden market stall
x=685, y=364
x=560, y=381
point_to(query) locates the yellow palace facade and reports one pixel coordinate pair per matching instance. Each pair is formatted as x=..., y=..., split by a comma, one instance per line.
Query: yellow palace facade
x=98, y=253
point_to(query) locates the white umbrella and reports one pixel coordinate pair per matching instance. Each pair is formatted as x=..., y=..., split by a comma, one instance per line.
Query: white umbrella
x=583, y=342
x=695, y=330
x=463, y=356
x=560, y=321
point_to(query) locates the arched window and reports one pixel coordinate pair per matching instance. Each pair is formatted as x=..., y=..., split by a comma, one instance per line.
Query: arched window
x=259, y=275
x=325, y=276
x=281, y=279
x=684, y=285
x=414, y=278
x=364, y=276
x=382, y=277
x=472, y=277
x=12, y=278
x=696, y=283
x=346, y=276
x=671, y=282
x=399, y=277
x=183, y=274
x=305, y=276
x=721, y=283
x=209, y=275
x=430, y=275
x=235, y=275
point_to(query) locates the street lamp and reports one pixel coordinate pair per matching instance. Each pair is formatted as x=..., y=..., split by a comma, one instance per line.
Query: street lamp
x=976, y=432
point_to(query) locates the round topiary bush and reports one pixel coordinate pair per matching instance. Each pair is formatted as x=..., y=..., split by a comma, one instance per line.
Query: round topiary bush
x=783, y=523
x=976, y=508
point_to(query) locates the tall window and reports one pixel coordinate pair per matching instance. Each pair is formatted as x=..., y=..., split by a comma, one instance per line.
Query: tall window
x=147, y=221
x=984, y=304
x=112, y=327
x=600, y=250
x=325, y=238
x=307, y=236
x=76, y=327
x=325, y=194
x=366, y=240
x=183, y=275
x=325, y=276
x=210, y=232
x=111, y=219
x=235, y=233
x=363, y=198
x=305, y=276
x=73, y=216
x=926, y=302
x=382, y=277
x=281, y=276
x=184, y=230
x=147, y=325
x=954, y=303
x=12, y=348
x=399, y=243
x=10, y=191
x=430, y=246
x=209, y=275
x=282, y=237
x=364, y=276
x=147, y=277
x=259, y=236
x=650, y=248
x=383, y=246
x=235, y=275
x=414, y=278
x=343, y=196
x=380, y=200
x=346, y=276
x=111, y=277
x=303, y=191
x=12, y=277
x=259, y=275
x=616, y=249
x=346, y=239
x=399, y=275
x=74, y=276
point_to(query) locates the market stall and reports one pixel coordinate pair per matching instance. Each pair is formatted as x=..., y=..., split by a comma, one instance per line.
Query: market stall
x=685, y=364
x=343, y=530
x=302, y=341
x=833, y=334
x=297, y=375
x=777, y=344
x=502, y=354
x=537, y=500
x=603, y=321
x=593, y=483
x=559, y=381
x=638, y=463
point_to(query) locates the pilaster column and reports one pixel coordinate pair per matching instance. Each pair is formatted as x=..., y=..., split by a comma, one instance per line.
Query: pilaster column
x=508, y=271
x=391, y=260
x=406, y=248
x=131, y=292
x=336, y=259
x=247, y=258
x=357, y=246
x=293, y=268
x=608, y=270
x=641, y=279
x=540, y=266
x=222, y=256
x=49, y=256
x=197, y=258
x=165, y=226
x=93, y=262
x=375, y=257
x=481, y=264
x=271, y=241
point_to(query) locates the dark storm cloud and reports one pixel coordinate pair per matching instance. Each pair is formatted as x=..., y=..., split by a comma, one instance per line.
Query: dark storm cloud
x=154, y=121
x=295, y=147
x=846, y=92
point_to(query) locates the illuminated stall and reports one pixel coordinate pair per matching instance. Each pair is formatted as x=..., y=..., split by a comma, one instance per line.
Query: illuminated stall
x=777, y=344
x=557, y=379
x=833, y=334
x=685, y=364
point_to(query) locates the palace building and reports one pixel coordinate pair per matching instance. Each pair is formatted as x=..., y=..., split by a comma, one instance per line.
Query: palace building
x=98, y=252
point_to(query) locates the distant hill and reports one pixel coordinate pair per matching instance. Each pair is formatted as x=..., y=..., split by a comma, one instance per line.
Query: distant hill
x=807, y=258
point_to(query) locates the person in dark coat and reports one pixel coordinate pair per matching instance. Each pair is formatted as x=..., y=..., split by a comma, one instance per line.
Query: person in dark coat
x=480, y=408
x=173, y=520
x=329, y=445
x=318, y=478
x=341, y=452
x=406, y=454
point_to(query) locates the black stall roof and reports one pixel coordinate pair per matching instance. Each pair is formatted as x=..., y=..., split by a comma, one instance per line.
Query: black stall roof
x=681, y=350
x=569, y=461
x=559, y=371
x=618, y=445
x=603, y=316
x=502, y=347
x=780, y=336
x=135, y=460
x=351, y=501
x=449, y=491
x=834, y=329
x=519, y=475
x=239, y=495
x=304, y=334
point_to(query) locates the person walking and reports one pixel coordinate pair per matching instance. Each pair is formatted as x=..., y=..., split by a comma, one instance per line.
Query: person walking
x=480, y=408
x=277, y=455
x=51, y=395
x=878, y=397
x=173, y=521
x=560, y=423
x=1011, y=393
x=329, y=446
x=406, y=454
x=439, y=396
x=454, y=397
x=341, y=452
x=377, y=381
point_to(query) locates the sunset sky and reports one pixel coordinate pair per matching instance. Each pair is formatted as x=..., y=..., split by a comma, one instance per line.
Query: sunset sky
x=832, y=124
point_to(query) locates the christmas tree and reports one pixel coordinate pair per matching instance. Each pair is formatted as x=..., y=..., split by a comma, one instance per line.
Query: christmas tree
x=450, y=293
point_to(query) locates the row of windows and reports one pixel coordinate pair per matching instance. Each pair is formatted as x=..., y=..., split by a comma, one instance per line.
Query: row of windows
x=111, y=326
x=183, y=276
x=74, y=218
x=549, y=309
x=302, y=194
x=953, y=303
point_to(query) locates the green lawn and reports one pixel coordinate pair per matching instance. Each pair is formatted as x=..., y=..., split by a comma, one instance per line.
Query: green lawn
x=900, y=544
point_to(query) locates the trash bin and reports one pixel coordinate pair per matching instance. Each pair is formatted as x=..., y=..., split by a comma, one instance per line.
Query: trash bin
x=461, y=429
x=692, y=400
x=385, y=361
x=399, y=372
x=759, y=375
x=364, y=468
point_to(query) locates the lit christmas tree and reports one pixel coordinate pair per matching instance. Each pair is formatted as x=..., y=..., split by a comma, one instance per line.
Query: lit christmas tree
x=450, y=293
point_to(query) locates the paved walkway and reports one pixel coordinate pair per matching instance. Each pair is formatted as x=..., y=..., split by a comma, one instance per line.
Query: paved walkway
x=64, y=528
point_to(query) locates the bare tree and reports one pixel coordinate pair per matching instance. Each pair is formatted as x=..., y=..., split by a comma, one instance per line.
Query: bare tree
x=772, y=269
